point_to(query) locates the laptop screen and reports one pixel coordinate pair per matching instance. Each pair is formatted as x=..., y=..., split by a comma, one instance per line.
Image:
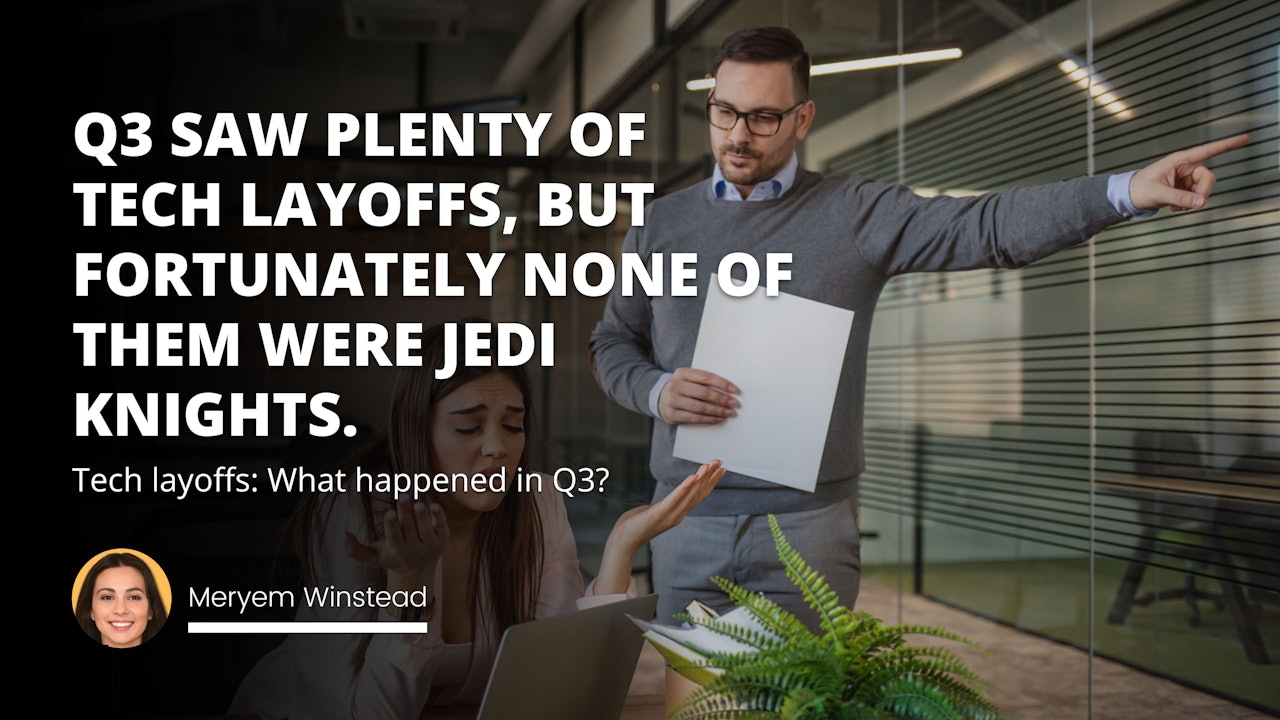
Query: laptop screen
x=576, y=666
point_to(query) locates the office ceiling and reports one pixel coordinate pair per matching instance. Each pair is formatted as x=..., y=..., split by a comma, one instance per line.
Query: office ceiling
x=387, y=55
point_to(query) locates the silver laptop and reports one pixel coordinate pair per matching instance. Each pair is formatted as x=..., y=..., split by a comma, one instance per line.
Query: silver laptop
x=576, y=666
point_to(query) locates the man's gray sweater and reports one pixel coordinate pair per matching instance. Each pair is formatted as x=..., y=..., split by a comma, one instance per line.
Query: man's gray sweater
x=847, y=237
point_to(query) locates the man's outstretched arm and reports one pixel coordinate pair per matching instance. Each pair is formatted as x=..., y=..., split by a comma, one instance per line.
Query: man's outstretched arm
x=1012, y=228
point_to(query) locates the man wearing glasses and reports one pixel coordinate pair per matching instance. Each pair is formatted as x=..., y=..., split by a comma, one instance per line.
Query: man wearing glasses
x=848, y=236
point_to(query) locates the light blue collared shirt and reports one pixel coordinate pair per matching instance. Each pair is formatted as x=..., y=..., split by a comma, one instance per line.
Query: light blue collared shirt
x=767, y=190
x=1117, y=195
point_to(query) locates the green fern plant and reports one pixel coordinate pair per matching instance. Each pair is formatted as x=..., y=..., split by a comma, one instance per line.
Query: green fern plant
x=858, y=668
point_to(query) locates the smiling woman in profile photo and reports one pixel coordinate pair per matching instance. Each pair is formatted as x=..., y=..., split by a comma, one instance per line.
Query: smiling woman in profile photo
x=119, y=602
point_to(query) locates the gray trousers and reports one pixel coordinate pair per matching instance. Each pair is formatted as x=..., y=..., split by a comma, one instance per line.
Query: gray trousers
x=740, y=548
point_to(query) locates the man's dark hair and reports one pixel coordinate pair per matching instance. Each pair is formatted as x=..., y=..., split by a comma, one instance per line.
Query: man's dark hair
x=756, y=44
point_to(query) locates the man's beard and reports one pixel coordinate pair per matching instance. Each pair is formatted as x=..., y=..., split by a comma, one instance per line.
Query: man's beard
x=746, y=151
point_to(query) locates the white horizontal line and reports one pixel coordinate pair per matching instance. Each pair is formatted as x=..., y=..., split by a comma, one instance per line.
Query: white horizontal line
x=885, y=61
x=851, y=65
x=288, y=628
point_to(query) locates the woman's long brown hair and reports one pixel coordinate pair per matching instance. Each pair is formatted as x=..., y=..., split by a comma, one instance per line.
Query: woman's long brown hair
x=508, y=539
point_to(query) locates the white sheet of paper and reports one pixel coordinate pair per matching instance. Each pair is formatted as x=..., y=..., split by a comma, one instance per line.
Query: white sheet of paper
x=785, y=354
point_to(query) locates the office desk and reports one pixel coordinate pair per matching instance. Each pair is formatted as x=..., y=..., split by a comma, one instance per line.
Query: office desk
x=638, y=707
x=1204, y=504
x=644, y=707
x=1232, y=488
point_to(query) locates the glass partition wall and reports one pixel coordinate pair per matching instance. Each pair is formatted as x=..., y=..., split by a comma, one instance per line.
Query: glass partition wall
x=1093, y=439
x=1085, y=449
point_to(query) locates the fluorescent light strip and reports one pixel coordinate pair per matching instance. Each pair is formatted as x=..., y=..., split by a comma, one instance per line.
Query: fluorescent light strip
x=852, y=65
x=1103, y=95
x=883, y=62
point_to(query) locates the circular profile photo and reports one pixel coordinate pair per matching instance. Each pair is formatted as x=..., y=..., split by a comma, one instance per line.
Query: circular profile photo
x=121, y=598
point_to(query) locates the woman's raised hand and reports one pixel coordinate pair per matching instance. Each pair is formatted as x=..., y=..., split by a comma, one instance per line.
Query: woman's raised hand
x=414, y=536
x=639, y=525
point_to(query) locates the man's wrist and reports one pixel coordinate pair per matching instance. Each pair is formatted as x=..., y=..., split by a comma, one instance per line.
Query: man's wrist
x=1118, y=195
x=655, y=394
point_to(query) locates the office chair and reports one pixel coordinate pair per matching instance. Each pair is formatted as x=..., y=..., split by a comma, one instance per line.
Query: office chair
x=1178, y=530
x=1186, y=526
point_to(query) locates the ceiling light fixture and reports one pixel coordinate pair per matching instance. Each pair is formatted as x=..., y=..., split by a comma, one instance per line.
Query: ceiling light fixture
x=853, y=65
x=1103, y=95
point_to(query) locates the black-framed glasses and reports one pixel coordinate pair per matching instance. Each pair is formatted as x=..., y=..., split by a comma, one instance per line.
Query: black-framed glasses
x=759, y=122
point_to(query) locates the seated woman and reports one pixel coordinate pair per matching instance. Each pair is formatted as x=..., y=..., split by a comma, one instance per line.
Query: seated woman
x=491, y=559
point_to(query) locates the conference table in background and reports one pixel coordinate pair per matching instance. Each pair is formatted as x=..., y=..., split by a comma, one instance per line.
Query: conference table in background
x=1210, y=504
